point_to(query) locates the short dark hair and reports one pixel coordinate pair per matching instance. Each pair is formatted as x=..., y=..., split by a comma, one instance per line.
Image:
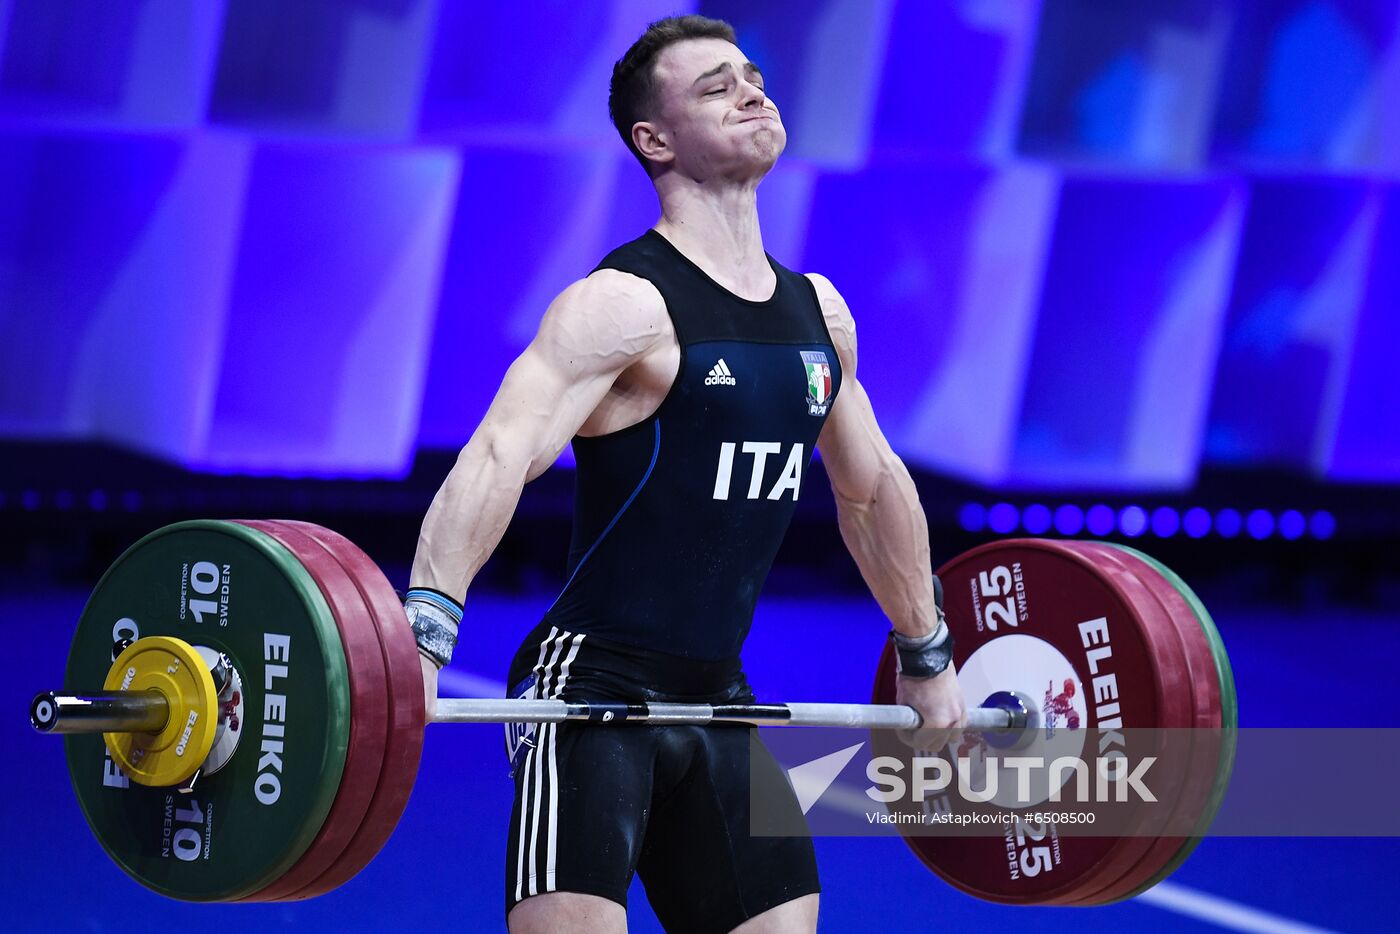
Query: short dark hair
x=632, y=94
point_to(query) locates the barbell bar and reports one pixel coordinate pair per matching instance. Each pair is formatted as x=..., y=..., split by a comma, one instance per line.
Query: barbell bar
x=148, y=711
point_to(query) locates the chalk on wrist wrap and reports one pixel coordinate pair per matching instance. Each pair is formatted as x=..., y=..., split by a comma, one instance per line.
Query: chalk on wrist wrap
x=435, y=618
x=925, y=656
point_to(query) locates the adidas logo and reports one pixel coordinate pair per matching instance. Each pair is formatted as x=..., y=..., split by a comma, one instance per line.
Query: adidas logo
x=720, y=375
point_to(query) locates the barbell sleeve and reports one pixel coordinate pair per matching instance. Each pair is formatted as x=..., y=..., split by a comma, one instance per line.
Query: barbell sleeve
x=100, y=712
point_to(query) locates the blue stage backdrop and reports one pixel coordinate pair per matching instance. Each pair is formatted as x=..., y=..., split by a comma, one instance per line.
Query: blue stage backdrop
x=1089, y=245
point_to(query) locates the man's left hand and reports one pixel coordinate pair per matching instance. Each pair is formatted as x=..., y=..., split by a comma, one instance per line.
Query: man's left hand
x=939, y=700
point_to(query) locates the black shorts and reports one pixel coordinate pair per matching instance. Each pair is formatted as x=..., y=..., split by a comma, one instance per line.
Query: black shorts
x=595, y=804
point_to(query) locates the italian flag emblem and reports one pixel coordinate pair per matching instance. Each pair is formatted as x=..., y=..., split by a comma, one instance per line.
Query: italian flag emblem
x=818, y=380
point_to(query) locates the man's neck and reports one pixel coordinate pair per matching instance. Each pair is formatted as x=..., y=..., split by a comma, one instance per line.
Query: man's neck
x=716, y=227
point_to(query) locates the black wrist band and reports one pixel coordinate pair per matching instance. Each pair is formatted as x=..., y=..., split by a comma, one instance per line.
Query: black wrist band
x=925, y=656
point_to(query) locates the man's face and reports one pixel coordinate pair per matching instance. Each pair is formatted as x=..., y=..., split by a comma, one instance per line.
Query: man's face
x=713, y=113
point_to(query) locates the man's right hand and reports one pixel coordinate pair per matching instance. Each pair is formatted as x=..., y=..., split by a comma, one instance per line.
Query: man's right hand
x=430, y=684
x=939, y=700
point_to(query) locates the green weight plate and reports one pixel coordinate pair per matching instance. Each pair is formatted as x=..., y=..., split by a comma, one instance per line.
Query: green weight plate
x=1229, y=708
x=238, y=591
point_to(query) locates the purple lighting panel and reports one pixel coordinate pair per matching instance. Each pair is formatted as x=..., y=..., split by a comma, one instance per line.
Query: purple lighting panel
x=1312, y=84
x=323, y=66
x=1365, y=445
x=941, y=265
x=954, y=77
x=1125, y=344
x=114, y=271
x=331, y=310
x=1126, y=83
x=481, y=87
x=108, y=64
x=1285, y=373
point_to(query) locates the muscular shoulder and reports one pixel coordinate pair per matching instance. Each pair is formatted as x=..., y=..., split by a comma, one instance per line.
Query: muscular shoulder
x=839, y=322
x=605, y=320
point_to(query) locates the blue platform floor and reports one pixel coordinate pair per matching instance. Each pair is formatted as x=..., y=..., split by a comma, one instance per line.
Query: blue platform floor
x=443, y=870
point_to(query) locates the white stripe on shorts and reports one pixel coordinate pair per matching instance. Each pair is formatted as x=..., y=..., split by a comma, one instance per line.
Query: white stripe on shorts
x=550, y=849
x=526, y=765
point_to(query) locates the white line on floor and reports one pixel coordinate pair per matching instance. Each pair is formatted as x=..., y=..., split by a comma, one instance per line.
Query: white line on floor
x=1222, y=911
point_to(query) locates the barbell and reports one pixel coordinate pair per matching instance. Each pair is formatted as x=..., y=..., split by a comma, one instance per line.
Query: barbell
x=260, y=717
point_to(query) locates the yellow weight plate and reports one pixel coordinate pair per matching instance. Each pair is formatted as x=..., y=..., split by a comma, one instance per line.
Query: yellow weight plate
x=174, y=669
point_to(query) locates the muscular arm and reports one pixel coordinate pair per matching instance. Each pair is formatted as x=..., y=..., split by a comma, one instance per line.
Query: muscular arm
x=877, y=507
x=884, y=527
x=590, y=334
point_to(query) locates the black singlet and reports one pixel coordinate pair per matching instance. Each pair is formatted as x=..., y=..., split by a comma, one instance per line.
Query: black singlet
x=677, y=518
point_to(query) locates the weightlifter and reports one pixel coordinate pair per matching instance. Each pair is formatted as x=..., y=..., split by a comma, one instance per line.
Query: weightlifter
x=694, y=376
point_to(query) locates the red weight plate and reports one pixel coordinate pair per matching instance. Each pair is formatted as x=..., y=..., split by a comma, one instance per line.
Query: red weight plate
x=1221, y=745
x=1022, y=612
x=406, y=711
x=1171, y=770
x=1198, y=771
x=368, y=710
